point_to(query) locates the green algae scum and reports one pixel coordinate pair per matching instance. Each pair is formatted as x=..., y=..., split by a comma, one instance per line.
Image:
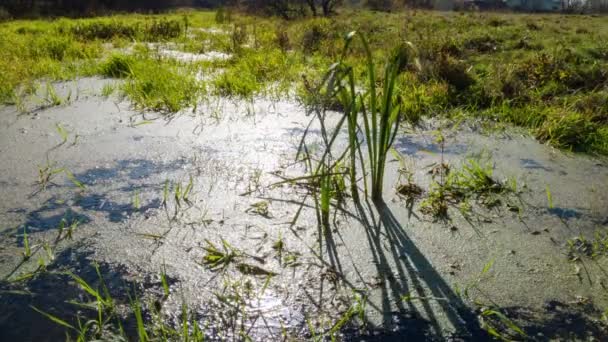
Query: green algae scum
x=295, y=171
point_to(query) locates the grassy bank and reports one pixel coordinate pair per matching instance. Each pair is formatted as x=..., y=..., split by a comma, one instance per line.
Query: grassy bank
x=544, y=72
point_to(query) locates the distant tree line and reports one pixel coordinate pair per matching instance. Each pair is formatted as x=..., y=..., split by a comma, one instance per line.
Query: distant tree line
x=283, y=8
x=32, y=8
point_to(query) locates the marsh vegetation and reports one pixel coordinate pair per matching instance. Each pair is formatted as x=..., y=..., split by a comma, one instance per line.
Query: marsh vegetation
x=543, y=72
x=337, y=177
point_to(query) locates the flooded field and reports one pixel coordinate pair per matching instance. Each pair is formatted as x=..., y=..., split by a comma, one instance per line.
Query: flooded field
x=199, y=204
x=202, y=175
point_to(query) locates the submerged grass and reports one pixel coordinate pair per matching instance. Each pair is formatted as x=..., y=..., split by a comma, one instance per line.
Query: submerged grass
x=219, y=258
x=474, y=180
x=581, y=247
x=490, y=315
x=107, y=318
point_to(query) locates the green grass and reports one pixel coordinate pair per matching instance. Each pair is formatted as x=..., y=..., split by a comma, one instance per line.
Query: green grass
x=110, y=316
x=378, y=109
x=219, y=258
x=158, y=85
x=491, y=317
x=474, y=180
x=117, y=66
x=581, y=247
x=265, y=72
x=539, y=71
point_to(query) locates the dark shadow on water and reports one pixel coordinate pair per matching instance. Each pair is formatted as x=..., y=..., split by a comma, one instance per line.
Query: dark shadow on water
x=558, y=321
x=51, y=214
x=403, y=327
x=116, y=212
x=415, y=276
x=404, y=269
x=128, y=169
x=51, y=292
x=55, y=210
x=533, y=164
x=401, y=270
x=565, y=213
x=48, y=217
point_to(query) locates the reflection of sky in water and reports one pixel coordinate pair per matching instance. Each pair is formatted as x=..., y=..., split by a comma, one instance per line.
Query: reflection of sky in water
x=277, y=315
x=412, y=145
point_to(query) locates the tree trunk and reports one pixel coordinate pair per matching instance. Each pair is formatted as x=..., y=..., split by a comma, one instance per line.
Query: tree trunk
x=312, y=6
x=326, y=4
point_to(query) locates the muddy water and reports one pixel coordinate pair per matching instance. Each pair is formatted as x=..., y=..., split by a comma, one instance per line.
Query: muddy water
x=233, y=152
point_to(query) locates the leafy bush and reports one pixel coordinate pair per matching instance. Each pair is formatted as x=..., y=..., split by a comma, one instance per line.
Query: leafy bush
x=163, y=29
x=104, y=30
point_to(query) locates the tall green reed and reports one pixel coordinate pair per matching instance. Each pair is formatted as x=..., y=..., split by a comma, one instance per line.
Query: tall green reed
x=379, y=110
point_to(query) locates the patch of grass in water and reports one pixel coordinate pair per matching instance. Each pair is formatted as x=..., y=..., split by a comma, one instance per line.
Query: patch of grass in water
x=473, y=181
x=154, y=84
x=233, y=83
x=63, y=133
x=267, y=71
x=46, y=174
x=102, y=317
x=490, y=315
x=579, y=247
x=162, y=87
x=117, y=66
x=108, y=28
x=219, y=258
x=436, y=202
x=260, y=208
x=107, y=90
x=51, y=98
x=475, y=178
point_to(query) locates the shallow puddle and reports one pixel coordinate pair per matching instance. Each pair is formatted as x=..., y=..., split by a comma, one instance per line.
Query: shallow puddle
x=120, y=181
